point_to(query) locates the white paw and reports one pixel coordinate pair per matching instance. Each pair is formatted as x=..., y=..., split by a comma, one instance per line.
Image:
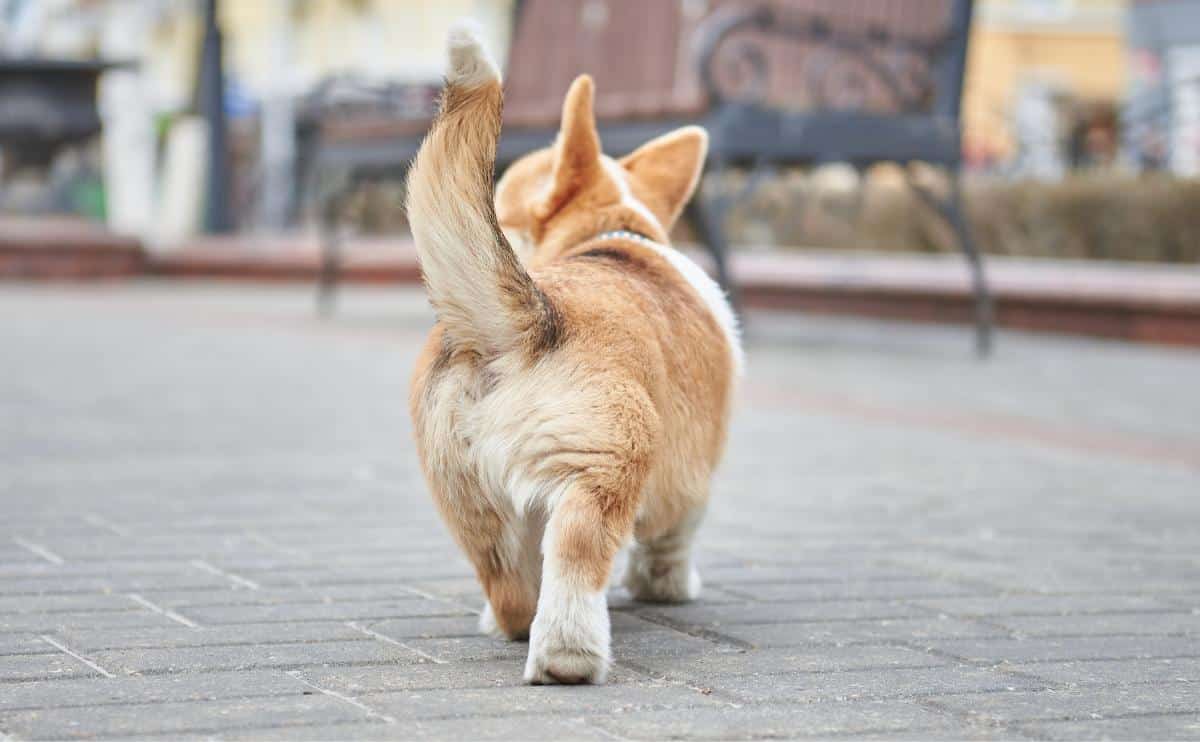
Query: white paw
x=569, y=642
x=659, y=581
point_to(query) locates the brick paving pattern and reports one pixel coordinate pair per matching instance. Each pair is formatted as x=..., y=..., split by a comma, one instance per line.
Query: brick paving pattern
x=212, y=525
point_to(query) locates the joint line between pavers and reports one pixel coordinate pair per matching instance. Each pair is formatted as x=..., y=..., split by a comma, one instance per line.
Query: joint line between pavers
x=437, y=598
x=1028, y=727
x=370, y=712
x=723, y=696
x=699, y=632
x=258, y=538
x=40, y=550
x=101, y=522
x=67, y=650
x=608, y=734
x=389, y=640
x=165, y=612
x=235, y=579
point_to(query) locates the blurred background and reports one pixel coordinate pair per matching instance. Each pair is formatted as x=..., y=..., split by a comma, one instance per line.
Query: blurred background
x=197, y=138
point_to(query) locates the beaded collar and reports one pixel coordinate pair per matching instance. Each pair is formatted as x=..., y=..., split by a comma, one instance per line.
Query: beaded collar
x=624, y=234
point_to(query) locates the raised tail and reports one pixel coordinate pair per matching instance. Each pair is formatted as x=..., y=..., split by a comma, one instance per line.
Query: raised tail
x=483, y=296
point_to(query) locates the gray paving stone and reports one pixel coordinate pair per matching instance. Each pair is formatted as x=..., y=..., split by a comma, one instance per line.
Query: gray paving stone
x=715, y=616
x=430, y=676
x=291, y=612
x=113, y=582
x=1169, y=726
x=1045, y=605
x=1126, y=623
x=1116, y=672
x=1077, y=703
x=424, y=676
x=820, y=720
x=1075, y=648
x=378, y=592
x=732, y=576
x=76, y=603
x=174, y=718
x=890, y=589
x=470, y=648
x=152, y=689
x=357, y=576
x=250, y=657
x=1187, y=601
x=24, y=644
x=846, y=632
x=537, y=701
x=99, y=569
x=427, y=627
x=50, y=622
x=705, y=666
x=20, y=667
x=177, y=635
x=524, y=728
x=875, y=683
x=661, y=642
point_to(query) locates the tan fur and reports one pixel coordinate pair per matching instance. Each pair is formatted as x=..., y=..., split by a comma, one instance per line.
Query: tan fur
x=595, y=405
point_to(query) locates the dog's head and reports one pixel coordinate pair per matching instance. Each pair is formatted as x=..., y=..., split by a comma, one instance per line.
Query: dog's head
x=552, y=199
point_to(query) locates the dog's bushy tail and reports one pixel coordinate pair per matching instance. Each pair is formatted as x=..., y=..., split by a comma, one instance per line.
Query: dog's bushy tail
x=483, y=296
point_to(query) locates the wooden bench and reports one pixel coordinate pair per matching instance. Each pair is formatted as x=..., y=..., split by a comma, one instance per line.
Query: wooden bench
x=775, y=82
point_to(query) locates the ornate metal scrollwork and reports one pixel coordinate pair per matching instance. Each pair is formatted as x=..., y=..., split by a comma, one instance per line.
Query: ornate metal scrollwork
x=864, y=69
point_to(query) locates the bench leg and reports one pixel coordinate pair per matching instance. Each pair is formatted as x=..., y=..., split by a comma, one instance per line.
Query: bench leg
x=329, y=211
x=708, y=220
x=951, y=211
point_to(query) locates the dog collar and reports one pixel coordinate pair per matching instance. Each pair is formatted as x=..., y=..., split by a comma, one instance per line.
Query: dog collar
x=625, y=234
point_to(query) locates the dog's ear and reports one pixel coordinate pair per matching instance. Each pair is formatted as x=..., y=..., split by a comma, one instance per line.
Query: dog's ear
x=576, y=151
x=668, y=169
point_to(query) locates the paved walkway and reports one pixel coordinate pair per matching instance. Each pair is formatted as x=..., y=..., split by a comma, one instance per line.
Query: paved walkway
x=212, y=524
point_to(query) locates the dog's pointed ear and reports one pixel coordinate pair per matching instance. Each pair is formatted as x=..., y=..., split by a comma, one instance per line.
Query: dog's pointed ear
x=668, y=169
x=577, y=149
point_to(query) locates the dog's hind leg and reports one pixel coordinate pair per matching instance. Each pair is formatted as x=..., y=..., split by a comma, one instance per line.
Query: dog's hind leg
x=494, y=539
x=530, y=576
x=660, y=567
x=570, y=638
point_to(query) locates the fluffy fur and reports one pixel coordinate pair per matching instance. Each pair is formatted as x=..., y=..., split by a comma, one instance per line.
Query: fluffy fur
x=576, y=389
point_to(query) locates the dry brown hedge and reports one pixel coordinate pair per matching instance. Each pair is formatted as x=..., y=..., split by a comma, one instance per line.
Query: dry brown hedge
x=1099, y=216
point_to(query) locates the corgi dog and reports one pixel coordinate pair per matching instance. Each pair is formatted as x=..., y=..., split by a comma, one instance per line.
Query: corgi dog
x=576, y=388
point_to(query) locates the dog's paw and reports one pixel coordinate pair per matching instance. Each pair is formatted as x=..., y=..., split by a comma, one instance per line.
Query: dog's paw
x=489, y=626
x=651, y=581
x=569, y=643
x=565, y=666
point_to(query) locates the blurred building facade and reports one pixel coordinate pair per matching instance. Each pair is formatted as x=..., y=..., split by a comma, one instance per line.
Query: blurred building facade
x=1162, y=119
x=1038, y=71
x=275, y=53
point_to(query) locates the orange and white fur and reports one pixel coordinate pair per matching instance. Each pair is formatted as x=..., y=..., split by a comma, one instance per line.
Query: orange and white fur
x=576, y=389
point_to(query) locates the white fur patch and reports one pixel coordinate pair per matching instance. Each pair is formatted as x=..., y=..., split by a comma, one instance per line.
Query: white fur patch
x=469, y=63
x=709, y=290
